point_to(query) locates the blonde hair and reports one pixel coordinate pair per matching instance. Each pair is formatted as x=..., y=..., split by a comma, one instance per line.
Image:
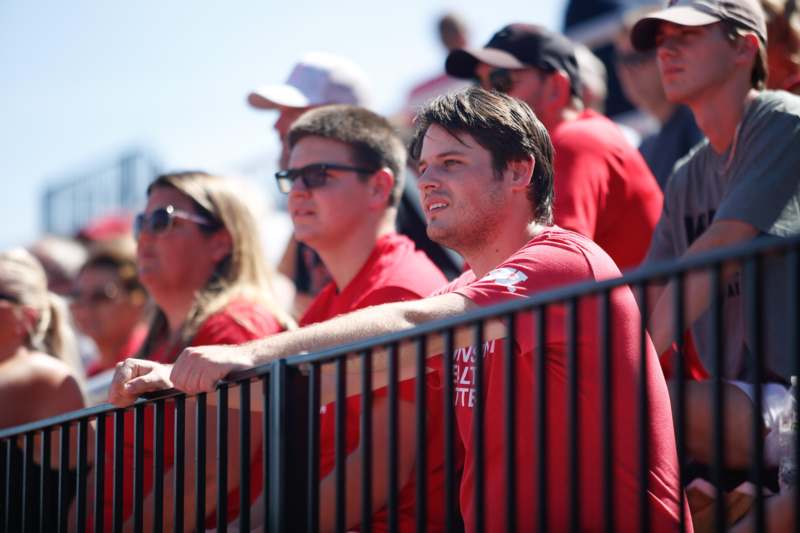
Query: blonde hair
x=23, y=278
x=244, y=273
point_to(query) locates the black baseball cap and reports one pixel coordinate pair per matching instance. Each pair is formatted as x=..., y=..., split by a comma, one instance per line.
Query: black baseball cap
x=519, y=46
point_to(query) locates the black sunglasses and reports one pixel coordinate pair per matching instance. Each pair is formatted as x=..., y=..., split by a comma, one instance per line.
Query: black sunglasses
x=4, y=297
x=635, y=58
x=162, y=218
x=98, y=296
x=500, y=80
x=313, y=176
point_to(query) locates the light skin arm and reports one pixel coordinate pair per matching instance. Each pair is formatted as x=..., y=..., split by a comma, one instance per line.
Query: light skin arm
x=696, y=284
x=198, y=369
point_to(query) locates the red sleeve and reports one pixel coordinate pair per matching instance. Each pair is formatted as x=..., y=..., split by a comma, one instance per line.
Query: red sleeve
x=580, y=184
x=386, y=295
x=236, y=326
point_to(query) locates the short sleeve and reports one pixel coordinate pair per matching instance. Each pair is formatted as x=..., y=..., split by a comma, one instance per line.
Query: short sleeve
x=662, y=244
x=765, y=189
x=236, y=326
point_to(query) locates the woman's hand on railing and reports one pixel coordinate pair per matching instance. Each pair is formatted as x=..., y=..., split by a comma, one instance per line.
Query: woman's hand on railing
x=134, y=377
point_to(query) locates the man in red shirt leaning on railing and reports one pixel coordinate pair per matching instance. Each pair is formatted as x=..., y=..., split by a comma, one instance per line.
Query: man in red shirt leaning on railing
x=486, y=183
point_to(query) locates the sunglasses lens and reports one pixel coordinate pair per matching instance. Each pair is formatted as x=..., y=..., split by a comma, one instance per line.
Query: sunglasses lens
x=159, y=220
x=314, y=176
x=500, y=79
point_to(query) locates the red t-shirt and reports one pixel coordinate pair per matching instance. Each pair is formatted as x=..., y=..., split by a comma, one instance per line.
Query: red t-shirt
x=394, y=272
x=554, y=258
x=240, y=321
x=604, y=188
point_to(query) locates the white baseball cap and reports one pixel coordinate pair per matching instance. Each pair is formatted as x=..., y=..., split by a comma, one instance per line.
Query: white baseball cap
x=318, y=79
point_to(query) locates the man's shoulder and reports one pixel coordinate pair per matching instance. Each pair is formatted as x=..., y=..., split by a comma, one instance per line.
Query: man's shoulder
x=402, y=266
x=553, y=258
x=590, y=130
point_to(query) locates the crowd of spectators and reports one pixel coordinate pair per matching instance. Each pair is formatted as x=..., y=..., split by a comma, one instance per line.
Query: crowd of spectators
x=509, y=182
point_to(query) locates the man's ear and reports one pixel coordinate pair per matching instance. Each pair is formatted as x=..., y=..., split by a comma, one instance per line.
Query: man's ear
x=380, y=184
x=520, y=172
x=747, y=48
x=221, y=245
x=558, y=89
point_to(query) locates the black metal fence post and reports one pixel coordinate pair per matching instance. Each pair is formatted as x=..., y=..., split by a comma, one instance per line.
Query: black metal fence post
x=288, y=450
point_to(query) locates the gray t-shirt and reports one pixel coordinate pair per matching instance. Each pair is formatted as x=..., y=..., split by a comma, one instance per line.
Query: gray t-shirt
x=755, y=181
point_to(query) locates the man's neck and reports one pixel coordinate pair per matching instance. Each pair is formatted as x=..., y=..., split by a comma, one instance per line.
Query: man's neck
x=484, y=260
x=718, y=114
x=345, y=258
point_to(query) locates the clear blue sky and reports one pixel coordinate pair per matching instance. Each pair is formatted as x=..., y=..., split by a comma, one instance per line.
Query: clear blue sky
x=83, y=80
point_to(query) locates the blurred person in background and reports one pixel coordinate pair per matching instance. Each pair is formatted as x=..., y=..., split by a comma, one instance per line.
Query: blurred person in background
x=594, y=78
x=108, y=303
x=739, y=185
x=199, y=256
x=783, y=44
x=317, y=79
x=603, y=187
x=61, y=257
x=641, y=81
x=35, y=381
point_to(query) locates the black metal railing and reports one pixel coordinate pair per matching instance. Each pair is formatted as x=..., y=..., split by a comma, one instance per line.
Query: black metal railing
x=288, y=394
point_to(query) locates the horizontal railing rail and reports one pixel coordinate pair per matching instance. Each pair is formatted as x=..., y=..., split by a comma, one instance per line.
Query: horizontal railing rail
x=304, y=458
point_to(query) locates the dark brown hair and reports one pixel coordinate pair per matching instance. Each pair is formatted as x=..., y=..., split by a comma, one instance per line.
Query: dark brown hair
x=373, y=141
x=504, y=126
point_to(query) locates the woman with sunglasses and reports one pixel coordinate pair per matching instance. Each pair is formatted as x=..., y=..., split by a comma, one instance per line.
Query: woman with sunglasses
x=200, y=258
x=108, y=303
x=37, y=379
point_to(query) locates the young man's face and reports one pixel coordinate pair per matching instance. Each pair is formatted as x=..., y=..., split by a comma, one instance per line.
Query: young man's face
x=463, y=200
x=693, y=60
x=323, y=216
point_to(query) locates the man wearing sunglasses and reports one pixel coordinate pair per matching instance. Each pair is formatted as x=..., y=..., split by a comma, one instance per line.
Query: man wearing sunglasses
x=603, y=187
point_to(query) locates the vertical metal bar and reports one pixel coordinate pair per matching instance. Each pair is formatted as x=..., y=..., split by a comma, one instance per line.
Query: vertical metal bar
x=450, y=479
x=477, y=426
x=83, y=471
x=158, y=467
x=340, y=443
x=753, y=313
x=45, y=505
x=180, y=461
x=99, y=471
x=793, y=286
x=27, y=481
x=119, y=445
x=606, y=329
x=422, y=435
x=200, y=464
x=63, y=477
x=138, y=467
x=289, y=407
x=5, y=515
x=541, y=416
x=394, y=439
x=268, y=435
x=572, y=408
x=222, y=458
x=718, y=442
x=8, y=445
x=680, y=379
x=365, y=432
x=644, y=415
x=244, y=456
x=509, y=412
x=313, y=449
